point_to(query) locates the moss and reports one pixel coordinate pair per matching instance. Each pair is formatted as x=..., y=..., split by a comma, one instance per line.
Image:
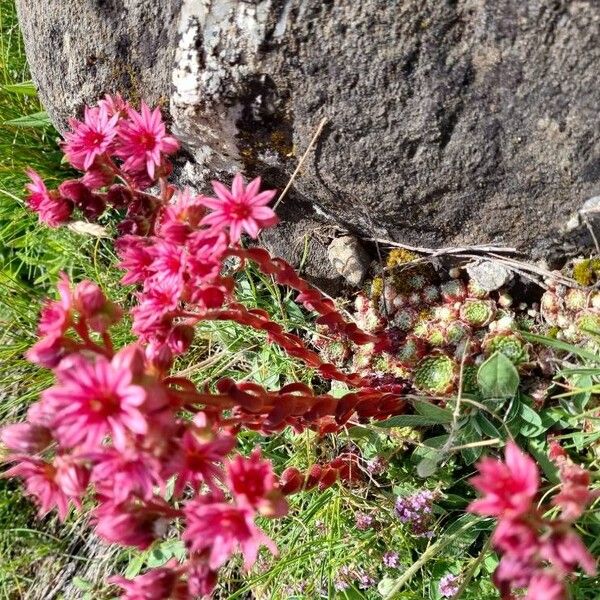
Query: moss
x=376, y=289
x=586, y=271
x=400, y=256
x=436, y=374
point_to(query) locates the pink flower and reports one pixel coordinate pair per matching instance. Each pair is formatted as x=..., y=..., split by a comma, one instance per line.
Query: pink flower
x=566, y=551
x=119, y=475
x=515, y=537
x=157, y=584
x=509, y=487
x=201, y=456
x=544, y=586
x=40, y=482
x=575, y=493
x=135, y=258
x=241, y=209
x=51, y=208
x=115, y=104
x=132, y=524
x=512, y=572
x=169, y=260
x=38, y=193
x=142, y=139
x=181, y=217
x=223, y=528
x=55, y=317
x=94, y=399
x=91, y=138
x=201, y=579
x=25, y=437
x=72, y=477
x=49, y=351
x=254, y=485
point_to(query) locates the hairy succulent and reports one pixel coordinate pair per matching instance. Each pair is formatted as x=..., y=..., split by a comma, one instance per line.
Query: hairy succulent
x=436, y=374
x=509, y=344
x=477, y=313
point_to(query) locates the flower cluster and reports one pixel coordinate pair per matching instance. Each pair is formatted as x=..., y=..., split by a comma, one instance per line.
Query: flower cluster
x=538, y=553
x=448, y=586
x=113, y=142
x=148, y=449
x=416, y=510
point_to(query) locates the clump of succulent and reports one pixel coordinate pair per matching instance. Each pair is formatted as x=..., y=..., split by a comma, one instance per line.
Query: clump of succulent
x=435, y=327
x=436, y=374
x=477, y=312
x=509, y=343
x=573, y=313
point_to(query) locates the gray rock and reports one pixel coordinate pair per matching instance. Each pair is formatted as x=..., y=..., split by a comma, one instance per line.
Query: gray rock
x=489, y=275
x=449, y=122
x=349, y=259
x=79, y=50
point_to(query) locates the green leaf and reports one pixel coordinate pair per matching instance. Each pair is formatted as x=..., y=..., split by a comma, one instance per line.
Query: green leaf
x=135, y=566
x=539, y=450
x=38, y=119
x=432, y=411
x=25, y=88
x=560, y=345
x=429, y=414
x=82, y=584
x=531, y=422
x=428, y=466
x=576, y=404
x=497, y=377
x=409, y=421
x=488, y=428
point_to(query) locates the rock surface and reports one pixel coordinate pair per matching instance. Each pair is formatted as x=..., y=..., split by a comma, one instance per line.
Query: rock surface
x=489, y=275
x=449, y=122
x=79, y=50
x=349, y=259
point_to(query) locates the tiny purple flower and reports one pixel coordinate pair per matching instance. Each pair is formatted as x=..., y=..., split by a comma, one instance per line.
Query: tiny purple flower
x=363, y=521
x=377, y=465
x=448, y=585
x=416, y=510
x=390, y=559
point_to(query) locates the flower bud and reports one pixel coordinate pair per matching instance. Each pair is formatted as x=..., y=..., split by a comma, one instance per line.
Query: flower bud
x=76, y=192
x=88, y=298
x=314, y=475
x=48, y=352
x=132, y=358
x=119, y=196
x=160, y=356
x=328, y=478
x=25, y=437
x=291, y=481
x=180, y=338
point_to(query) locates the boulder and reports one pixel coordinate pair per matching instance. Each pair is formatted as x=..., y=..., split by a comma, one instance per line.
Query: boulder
x=449, y=122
